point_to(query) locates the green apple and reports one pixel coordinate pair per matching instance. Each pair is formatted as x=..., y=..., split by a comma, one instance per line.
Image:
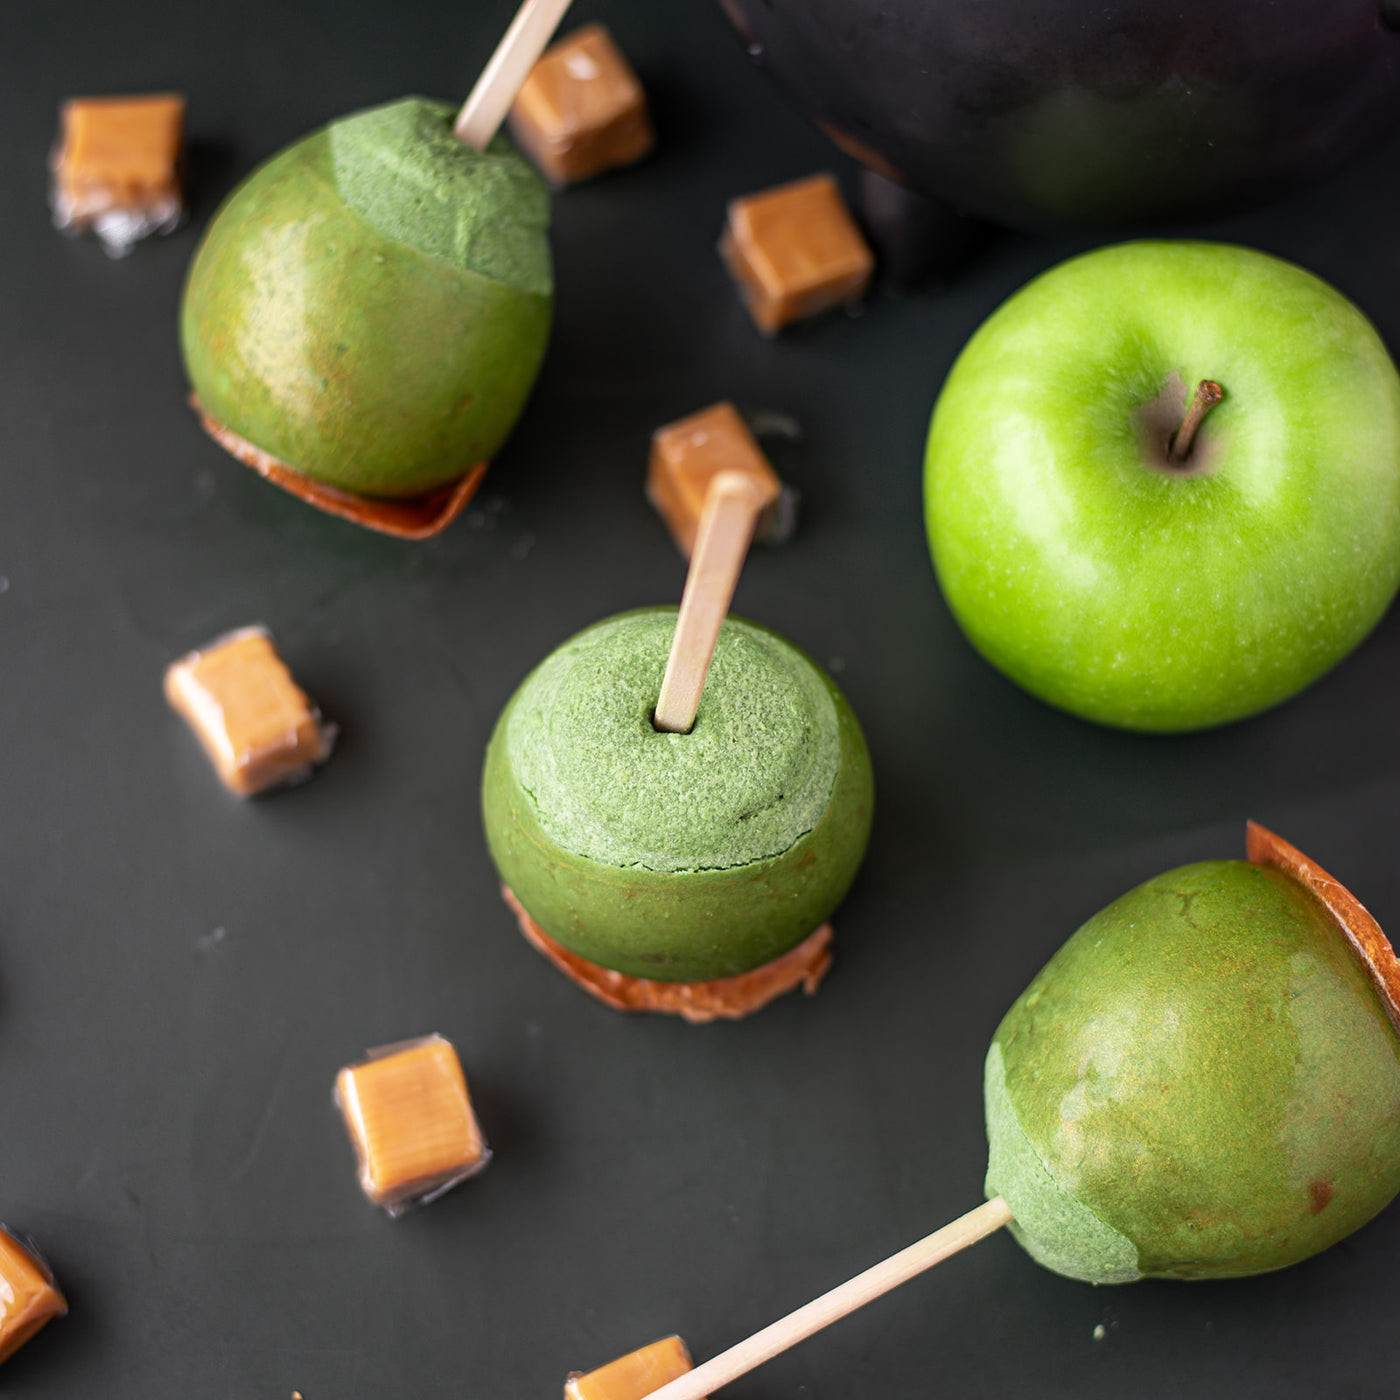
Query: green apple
x=1133, y=568
x=371, y=306
x=1204, y=1082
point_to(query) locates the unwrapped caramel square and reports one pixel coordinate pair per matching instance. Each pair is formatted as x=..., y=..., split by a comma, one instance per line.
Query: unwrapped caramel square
x=117, y=166
x=688, y=454
x=28, y=1298
x=410, y=1117
x=256, y=724
x=581, y=111
x=795, y=251
x=633, y=1376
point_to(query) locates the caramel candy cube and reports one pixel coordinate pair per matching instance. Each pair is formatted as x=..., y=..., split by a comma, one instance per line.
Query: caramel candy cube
x=410, y=1117
x=688, y=454
x=255, y=722
x=116, y=169
x=795, y=251
x=581, y=111
x=28, y=1298
x=633, y=1376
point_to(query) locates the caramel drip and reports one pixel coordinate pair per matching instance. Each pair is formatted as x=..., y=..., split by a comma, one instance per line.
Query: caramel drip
x=729, y=998
x=1362, y=933
x=417, y=519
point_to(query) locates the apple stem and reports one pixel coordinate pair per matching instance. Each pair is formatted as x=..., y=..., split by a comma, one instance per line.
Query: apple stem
x=1208, y=394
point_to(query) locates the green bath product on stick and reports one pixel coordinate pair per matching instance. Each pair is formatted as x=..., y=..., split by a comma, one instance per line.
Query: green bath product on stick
x=371, y=306
x=677, y=857
x=366, y=314
x=1204, y=1082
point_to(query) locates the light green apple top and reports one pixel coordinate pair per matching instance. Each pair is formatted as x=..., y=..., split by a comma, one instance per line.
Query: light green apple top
x=752, y=777
x=1126, y=589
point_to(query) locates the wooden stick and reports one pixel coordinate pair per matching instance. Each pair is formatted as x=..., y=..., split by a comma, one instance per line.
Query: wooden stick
x=733, y=504
x=530, y=31
x=898, y=1268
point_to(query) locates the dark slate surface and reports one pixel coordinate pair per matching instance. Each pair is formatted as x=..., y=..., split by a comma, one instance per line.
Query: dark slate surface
x=181, y=975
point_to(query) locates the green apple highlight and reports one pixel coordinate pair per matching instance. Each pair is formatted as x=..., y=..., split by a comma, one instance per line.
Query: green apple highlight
x=1146, y=572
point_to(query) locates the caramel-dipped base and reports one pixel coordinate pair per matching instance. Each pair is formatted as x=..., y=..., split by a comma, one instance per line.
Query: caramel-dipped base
x=726, y=998
x=419, y=518
x=1359, y=927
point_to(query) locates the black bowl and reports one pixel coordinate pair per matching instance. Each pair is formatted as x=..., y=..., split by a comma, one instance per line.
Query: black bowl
x=1046, y=113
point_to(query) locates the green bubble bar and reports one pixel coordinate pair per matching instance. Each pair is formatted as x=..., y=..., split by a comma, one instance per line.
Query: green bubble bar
x=677, y=857
x=1204, y=1082
x=371, y=306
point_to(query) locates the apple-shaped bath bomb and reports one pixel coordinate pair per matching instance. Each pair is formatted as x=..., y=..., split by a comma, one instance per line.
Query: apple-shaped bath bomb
x=371, y=306
x=1139, y=569
x=677, y=857
x=1204, y=1081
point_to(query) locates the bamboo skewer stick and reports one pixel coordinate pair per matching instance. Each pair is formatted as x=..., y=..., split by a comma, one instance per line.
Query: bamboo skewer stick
x=517, y=53
x=733, y=504
x=821, y=1312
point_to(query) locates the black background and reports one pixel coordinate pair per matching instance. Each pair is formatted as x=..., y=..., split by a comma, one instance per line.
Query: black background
x=181, y=974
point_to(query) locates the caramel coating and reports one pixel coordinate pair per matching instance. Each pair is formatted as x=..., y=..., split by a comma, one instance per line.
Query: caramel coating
x=721, y=998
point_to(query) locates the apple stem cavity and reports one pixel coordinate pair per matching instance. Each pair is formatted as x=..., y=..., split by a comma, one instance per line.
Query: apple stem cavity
x=1208, y=394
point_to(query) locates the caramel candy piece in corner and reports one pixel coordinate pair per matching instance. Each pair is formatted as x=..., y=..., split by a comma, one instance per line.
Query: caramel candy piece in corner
x=117, y=167
x=634, y=1376
x=254, y=721
x=581, y=111
x=795, y=251
x=688, y=454
x=28, y=1297
x=409, y=1114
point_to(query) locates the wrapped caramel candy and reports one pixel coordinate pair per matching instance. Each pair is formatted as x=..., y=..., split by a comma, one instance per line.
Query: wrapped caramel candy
x=581, y=111
x=409, y=1114
x=254, y=721
x=795, y=251
x=688, y=454
x=28, y=1297
x=633, y=1376
x=116, y=170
